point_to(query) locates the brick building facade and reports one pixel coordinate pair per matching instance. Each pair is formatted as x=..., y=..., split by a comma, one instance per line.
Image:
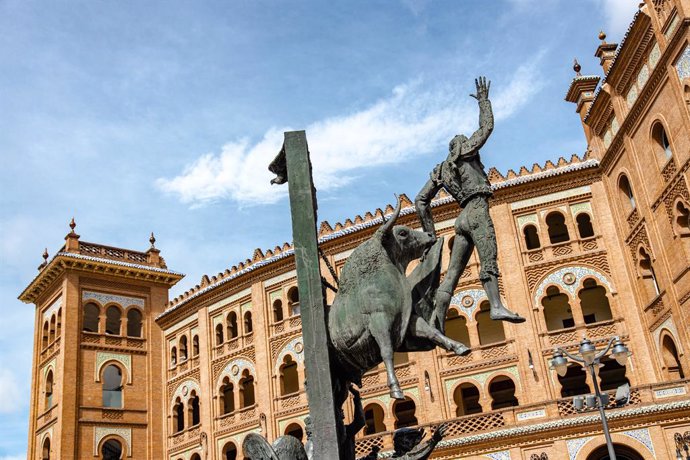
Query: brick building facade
x=596, y=246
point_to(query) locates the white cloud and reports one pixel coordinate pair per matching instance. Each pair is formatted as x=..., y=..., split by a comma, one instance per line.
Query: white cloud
x=10, y=390
x=619, y=14
x=415, y=120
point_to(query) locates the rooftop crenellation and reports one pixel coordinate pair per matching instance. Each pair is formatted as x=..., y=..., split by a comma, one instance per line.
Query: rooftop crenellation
x=328, y=231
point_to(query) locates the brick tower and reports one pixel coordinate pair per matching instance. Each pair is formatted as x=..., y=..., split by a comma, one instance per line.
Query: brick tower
x=96, y=387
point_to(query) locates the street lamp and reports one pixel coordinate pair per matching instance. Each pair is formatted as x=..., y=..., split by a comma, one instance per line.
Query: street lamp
x=682, y=442
x=590, y=359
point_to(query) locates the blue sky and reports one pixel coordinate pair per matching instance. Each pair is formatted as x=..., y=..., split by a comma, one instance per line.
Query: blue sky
x=162, y=116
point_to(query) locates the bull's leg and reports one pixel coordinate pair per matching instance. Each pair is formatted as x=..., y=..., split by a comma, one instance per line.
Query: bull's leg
x=420, y=328
x=381, y=329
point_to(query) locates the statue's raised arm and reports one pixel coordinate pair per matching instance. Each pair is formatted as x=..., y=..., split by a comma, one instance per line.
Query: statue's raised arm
x=486, y=119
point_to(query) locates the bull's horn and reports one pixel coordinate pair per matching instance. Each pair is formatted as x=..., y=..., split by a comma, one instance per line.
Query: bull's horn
x=388, y=225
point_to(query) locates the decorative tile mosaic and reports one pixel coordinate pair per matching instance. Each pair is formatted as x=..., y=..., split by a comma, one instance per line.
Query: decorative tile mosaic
x=614, y=126
x=104, y=299
x=671, y=27
x=683, y=64
x=528, y=219
x=101, y=432
x=502, y=455
x=184, y=390
x=642, y=76
x=654, y=56
x=632, y=96
x=104, y=357
x=557, y=277
x=461, y=300
x=576, y=209
x=574, y=446
x=669, y=392
x=234, y=369
x=607, y=138
x=642, y=435
x=55, y=306
x=538, y=413
x=294, y=348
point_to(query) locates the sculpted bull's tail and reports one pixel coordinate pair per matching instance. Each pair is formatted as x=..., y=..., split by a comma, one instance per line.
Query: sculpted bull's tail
x=388, y=225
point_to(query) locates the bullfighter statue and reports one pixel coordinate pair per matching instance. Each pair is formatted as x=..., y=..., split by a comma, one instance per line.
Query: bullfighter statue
x=462, y=175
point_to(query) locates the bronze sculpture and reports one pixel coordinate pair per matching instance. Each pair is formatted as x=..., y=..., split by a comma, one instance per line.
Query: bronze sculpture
x=462, y=175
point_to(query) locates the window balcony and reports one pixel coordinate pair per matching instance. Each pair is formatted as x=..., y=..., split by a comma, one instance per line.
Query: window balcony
x=597, y=332
x=291, y=402
x=288, y=324
x=500, y=351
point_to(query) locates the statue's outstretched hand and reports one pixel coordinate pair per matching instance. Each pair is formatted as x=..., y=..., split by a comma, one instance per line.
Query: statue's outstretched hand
x=482, y=89
x=440, y=432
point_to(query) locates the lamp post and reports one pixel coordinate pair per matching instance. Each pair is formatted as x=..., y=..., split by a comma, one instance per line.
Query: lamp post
x=590, y=358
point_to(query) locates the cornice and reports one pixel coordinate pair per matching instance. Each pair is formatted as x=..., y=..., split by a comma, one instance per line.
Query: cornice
x=67, y=261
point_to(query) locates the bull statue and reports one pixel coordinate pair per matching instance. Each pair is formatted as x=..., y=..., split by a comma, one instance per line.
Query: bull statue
x=377, y=310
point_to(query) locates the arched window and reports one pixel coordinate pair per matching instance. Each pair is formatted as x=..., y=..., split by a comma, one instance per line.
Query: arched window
x=647, y=273
x=558, y=231
x=531, y=237
x=134, y=323
x=248, y=327
x=229, y=451
x=58, y=332
x=594, y=302
x=227, y=397
x=45, y=452
x=289, y=381
x=612, y=374
x=173, y=357
x=113, y=318
x=373, y=419
x=622, y=452
x=557, y=311
x=626, y=193
x=584, y=225
x=466, y=397
x=246, y=390
x=502, y=392
x=456, y=327
x=111, y=450
x=92, y=315
x=219, y=334
x=232, y=325
x=404, y=412
x=295, y=430
x=293, y=301
x=681, y=219
x=178, y=416
x=45, y=334
x=193, y=407
x=277, y=311
x=183, y=349
x=51, y=337
x=489, y=331
x=195, y=457
x=574, y=382
x=662, y=145
x=195, y=345
x=112, y=386
x=672, y=366
x=49, y=390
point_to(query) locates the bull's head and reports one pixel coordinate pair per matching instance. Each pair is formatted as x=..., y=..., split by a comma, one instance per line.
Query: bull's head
x=402, y=243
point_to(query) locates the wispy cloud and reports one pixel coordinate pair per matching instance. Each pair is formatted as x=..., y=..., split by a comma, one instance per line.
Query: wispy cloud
x=13, y=394
x=618, y=15
x=414, y=120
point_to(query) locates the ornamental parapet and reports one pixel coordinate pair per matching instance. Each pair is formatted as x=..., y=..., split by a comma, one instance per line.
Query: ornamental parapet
x=598, y=332
x=480, y=432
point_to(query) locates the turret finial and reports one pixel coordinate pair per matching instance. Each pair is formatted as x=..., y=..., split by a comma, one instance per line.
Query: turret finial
x=152, y=240
x=577, y=67
x=72, y=224
x=45, y=255
x=602, y=36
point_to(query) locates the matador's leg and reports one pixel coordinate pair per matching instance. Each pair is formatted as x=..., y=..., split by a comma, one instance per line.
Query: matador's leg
x=483, y=235
x=459, y=256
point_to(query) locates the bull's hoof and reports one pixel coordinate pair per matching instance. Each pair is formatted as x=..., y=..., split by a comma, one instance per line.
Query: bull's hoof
x=461, y=350
x=396, y=393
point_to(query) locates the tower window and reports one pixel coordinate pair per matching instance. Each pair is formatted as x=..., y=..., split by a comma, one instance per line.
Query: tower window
x=112, y=386
x=91, y=317
x=134, y=323
x=558, y=231
x=531, y=237
x=584, y=225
